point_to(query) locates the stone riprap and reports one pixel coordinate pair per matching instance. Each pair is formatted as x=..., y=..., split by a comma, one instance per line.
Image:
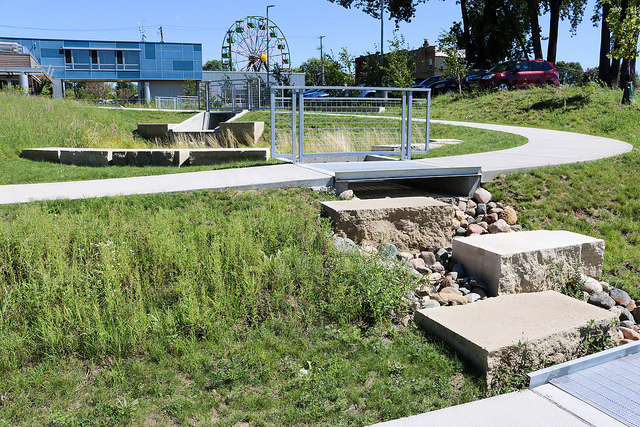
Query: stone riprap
x=408, y=222
x=530, y=261
x=494, y=332
x=144, y=157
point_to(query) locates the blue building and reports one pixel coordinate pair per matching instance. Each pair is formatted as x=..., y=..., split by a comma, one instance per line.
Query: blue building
x=160, y=69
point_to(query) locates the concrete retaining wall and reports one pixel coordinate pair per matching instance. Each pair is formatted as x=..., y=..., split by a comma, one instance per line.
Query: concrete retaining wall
x=144, y=157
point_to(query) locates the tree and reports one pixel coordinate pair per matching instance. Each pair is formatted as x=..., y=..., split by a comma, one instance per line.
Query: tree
x=569, y=72
x=400, y=66
x=100, y=90
x=572, y=10
x=312, y=68
x=455, y=63
x=347, y=62
x=125, y=90
x=189, y=88
x=212, y=65
x=492, y=31
x=624, y=22
x=399, y=10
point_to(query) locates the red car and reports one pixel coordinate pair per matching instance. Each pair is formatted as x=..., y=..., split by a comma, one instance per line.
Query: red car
x=520, y=75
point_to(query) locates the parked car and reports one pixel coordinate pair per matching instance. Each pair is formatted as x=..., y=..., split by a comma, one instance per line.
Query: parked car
x=426, y=82
x=444, y=86
x=474, y=76
x=315, y=93
x=520, y=75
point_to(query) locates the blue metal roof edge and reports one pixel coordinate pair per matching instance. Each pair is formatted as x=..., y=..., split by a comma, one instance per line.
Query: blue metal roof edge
x=543, y=376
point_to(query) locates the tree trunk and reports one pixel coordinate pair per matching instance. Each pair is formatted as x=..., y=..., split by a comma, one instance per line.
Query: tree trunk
x=615, y=63
x=632, y=74
x=604, y=65
x=469, y=51
x=534, y=11
x=625, y=73
x=554, y=19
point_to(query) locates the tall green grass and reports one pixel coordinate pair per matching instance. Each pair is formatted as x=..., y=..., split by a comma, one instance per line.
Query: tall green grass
x=187, y=308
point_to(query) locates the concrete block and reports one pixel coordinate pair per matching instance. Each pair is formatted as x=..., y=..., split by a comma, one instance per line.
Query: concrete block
x=163, y=158
x=495, y=331
x=528, y=261
x=41, y=154
x=139, y=157
x=244, y=132
x=407, y=222
x=154, y=130
x=210, y=156
x=85, y=157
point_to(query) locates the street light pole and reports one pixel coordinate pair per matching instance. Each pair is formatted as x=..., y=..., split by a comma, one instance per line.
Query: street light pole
x=322, y=59
x=268, y=47
x=381, y=40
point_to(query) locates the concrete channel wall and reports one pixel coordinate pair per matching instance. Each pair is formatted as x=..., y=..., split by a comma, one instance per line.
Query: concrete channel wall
x=143, y=157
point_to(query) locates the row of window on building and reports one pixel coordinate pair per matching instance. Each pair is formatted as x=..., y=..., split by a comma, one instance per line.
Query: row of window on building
x=102, y=60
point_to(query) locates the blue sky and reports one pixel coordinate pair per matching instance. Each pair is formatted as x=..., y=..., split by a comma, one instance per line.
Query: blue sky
x=302, y=22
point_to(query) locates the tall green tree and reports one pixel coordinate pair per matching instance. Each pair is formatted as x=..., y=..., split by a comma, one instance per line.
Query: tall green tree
x=569, y=72
x=455, y=64
x=400, y=66
x=333, y=73
x=624, y=22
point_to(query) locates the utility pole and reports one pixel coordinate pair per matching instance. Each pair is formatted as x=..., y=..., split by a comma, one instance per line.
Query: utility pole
x=143, y=36
x=161, y=35
x=322, y=59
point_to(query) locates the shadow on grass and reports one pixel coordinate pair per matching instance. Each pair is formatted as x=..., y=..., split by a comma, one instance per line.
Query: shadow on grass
x=572, y=103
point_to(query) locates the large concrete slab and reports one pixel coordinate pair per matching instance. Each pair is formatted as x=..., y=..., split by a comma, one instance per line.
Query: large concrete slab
x=407, y=222
x=491, y=333
x=528, y=261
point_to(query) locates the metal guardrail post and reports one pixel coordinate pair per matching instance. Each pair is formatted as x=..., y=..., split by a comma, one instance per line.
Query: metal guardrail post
x=273, y=124
x=294, y=96
x=301, y=129
x=428, y=119
x=403, y=129
x=409, y=122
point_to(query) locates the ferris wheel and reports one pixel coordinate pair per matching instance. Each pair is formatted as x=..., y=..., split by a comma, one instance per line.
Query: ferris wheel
x=252, y=42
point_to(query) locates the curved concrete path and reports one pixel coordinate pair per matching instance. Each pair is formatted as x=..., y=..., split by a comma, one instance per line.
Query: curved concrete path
x=545, y=148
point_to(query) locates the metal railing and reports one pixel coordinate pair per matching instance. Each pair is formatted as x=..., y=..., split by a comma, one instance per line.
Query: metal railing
x=177, y=102
x=235, y=95
x=324, y=121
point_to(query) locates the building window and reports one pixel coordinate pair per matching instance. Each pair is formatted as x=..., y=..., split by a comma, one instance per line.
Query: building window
x=102, y=60
x=431, y=64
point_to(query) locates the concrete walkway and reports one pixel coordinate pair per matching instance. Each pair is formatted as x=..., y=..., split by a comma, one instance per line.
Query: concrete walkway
x=545, y=148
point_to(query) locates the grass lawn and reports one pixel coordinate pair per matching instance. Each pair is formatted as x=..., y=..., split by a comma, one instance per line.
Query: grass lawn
x=214, y=308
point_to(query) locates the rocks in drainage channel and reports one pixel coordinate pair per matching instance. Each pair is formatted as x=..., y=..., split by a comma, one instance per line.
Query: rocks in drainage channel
x=479, y=215
x=443, y=281
x=603, y=295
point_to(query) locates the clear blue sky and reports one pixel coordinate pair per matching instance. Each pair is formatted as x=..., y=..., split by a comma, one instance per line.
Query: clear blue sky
x=302, y=22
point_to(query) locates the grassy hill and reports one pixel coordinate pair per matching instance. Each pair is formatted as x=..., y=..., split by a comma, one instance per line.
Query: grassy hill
x=221, y=308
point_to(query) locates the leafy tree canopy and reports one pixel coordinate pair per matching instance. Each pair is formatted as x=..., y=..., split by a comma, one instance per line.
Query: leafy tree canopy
x=333, y=73
x=212, y=65
x=569, y=72
x=399, y=10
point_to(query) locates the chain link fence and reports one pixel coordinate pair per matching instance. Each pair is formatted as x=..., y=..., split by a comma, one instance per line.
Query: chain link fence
x=315, y=122
x=177, y=102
